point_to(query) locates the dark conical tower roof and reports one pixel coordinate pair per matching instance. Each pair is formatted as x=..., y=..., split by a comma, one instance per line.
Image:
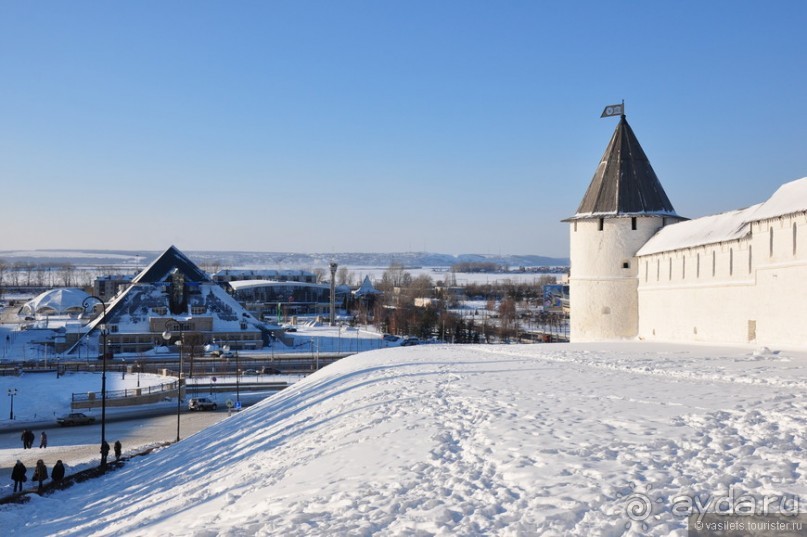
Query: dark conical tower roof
x=624, y=183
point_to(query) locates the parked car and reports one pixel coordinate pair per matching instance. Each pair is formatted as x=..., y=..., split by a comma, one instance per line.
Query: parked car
x=202, y=403
x=250, y=372
x=75, y=418
x=410, y=341
x=266, y=370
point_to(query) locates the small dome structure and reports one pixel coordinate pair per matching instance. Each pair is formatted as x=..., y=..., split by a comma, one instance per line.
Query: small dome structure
x=65, y=301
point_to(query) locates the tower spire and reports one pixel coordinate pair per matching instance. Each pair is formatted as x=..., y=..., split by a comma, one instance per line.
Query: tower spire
x=624, y=183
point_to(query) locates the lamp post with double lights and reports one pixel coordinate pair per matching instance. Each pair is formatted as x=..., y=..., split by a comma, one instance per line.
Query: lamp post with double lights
x=168, y=335
x=102, y=327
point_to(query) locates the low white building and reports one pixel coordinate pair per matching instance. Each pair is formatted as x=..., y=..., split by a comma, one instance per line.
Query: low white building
x=638, y=270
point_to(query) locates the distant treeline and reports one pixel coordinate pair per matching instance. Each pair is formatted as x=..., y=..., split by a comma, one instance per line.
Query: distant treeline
x=498, y=268
x=478, y=266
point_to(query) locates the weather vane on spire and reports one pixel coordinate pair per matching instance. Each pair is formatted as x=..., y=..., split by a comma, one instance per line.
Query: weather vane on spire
x=614, y=110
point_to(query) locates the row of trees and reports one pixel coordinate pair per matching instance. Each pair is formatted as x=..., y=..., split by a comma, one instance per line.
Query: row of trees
x=28, y=274
x=511, y=308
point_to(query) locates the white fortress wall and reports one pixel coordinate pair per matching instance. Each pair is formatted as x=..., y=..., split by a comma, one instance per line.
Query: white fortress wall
x=748, y=290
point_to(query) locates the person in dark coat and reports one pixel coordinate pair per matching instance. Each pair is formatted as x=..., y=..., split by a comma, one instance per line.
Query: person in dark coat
x=118, y=449
x=29, y=439
x=104, y=452
x=57, y=474
x=43, y=440
x=18, y=475
x=40, y=473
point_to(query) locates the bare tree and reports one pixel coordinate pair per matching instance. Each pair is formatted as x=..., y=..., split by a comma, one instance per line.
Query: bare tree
x=16, y=273
x=67, y=273
x=40, y=275
x=212, y=266
x=191, y=344
x=30, y=271
x=422, y=286
x=343, y=276
x=507, y=317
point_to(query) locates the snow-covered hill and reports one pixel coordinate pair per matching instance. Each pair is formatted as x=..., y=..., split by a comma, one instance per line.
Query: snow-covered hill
x=468, y=440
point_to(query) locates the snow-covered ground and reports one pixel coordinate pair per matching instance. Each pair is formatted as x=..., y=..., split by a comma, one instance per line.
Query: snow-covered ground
x=42, y=397
x=560, y=439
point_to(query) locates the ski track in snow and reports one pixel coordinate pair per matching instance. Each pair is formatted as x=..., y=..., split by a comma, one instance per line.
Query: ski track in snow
x=467, y=440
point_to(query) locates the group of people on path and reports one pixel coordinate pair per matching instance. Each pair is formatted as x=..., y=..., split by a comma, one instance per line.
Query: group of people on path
x=40, y=474
x=18, y=473
x=105, y=451
x=28, y=437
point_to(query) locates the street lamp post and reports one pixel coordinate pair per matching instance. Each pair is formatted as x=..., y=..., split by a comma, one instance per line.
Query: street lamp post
x=332, y=318
x=102, y=328
x=167, y=335
x=237, y=382
x=11, y=393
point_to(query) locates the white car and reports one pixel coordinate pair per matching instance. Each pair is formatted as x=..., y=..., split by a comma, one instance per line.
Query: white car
x=202, y=403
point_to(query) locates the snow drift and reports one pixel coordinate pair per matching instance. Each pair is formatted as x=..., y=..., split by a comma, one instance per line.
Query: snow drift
x=467, y=440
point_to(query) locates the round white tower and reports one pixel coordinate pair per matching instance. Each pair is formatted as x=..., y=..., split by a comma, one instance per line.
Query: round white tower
x=623, y=207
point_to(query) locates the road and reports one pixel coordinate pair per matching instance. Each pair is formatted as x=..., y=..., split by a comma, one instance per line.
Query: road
x=79, y=446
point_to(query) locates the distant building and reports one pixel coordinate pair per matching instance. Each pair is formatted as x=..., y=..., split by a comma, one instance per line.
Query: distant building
x=108, y=286
x=274, y=299
x=231, y=275
x=639, y=270
x=174, y=294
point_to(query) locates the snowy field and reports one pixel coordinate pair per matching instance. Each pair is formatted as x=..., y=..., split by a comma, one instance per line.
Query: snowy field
x=560, y=439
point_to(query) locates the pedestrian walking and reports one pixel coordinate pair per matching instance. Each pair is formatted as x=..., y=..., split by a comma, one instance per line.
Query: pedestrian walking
x=40, y=473
x=104, y=452
x=18, y=475
x=24, y=439
x=118, y=449
x=57, y=474
x=43, y=440
x=29, y=439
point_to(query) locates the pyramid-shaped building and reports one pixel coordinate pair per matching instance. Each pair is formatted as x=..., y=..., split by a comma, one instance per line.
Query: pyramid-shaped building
x=173, y=291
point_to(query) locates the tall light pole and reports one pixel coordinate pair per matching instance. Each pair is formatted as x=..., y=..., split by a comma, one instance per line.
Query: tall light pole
x=333, y=266
x=11, y=393
x=167, y=335
x=237, y=382
x=102, y=327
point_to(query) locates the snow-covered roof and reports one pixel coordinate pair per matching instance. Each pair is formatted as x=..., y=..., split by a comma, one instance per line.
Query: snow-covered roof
x=264, y=273
x=56, y=302
x=706, y=230
x=251, y=284
x=366, y=288
x=790, y=198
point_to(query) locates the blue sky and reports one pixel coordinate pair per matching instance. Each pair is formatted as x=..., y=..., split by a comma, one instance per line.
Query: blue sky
x=448, y=126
